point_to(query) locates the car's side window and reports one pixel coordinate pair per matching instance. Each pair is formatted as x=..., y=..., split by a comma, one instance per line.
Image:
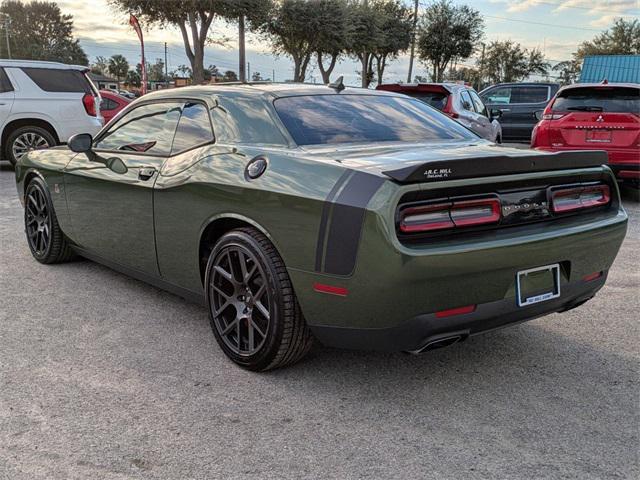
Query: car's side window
x=533, y=94
x=194, y=128
x=245, y=120
x=480, y=108
x=467, y=104
x=108, y=104
x=500, y=95
x=5, y=83
x=146, y=129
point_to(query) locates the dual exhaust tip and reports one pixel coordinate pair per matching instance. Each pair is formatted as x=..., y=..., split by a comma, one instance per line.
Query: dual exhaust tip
x=441, y=341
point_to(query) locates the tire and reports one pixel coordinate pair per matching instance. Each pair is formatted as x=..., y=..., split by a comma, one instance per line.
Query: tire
x=45, y=238
x=498, y=139
x=31, y=137
x=253, y=309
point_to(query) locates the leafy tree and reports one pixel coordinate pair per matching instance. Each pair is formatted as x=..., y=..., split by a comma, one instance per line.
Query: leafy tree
x=289, y=31
x=507, y=61
x=257, y=77
x=118, y=67
x=100, y=65
x=466, y=74
x=367, y=31
x=621, y=39
x=194, y=19
x=331, y=33
x=133, y=78
x=447, y=32
x=396, y=23
x=568, y=71
x=183, y=71
x=39, y=31
x=230, y=76
x=215, y=73
x=155, y=72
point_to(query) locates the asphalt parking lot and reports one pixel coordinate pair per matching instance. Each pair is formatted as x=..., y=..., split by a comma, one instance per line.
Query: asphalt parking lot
x=105, y=377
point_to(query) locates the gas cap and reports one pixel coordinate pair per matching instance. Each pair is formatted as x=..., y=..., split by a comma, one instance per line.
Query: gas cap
x=256, y=167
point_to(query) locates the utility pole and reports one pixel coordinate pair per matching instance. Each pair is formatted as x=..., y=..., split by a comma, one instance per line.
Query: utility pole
x=166, y=71
x=481, y=72
x=248, y=71
x=242, y=60
x=273, y=75
x=7, y=20
x=413, y=41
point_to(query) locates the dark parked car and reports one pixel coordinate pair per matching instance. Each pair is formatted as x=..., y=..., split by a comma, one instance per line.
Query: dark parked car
x=361, y=218
x=521, y=105
x=457, y=101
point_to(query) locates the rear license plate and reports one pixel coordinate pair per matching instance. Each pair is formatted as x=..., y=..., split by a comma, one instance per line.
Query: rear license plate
x=598, y=136
x=538, y=284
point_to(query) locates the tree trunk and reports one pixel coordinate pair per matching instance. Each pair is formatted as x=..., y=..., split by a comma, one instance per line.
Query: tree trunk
x=242, y=60
x=364, y=60
x=381, y=64
x=413, y=40
x=326, y=73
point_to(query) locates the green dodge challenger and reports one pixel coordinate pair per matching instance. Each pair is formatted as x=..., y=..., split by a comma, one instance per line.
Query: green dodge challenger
x=363, y=219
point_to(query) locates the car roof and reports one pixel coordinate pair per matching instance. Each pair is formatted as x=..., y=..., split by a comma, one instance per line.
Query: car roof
x=270, y=89
x=601, y=85
x=40, y=64
x=400, y=86
x=524, y=84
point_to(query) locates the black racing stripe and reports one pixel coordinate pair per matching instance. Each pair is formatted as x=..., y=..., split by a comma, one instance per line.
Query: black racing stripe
x=347, y=221
x=326, y=208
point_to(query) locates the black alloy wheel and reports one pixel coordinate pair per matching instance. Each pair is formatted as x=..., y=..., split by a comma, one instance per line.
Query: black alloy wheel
x=253, y=310
x=44, y=236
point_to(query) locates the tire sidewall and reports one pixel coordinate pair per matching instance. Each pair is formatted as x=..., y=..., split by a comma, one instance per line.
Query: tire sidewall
x=28, y=129
x=267, y=352
x=39, y=184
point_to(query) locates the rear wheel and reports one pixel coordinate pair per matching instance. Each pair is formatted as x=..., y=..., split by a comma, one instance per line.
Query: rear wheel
x=24, y=139
x=253, y=309
x=46, y=240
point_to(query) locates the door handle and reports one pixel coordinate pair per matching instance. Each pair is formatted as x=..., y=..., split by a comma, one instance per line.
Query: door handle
x=145, y=173
x=504, y=109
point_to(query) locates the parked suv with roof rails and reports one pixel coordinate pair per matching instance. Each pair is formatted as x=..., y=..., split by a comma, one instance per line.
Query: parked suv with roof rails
x=42, y=104
x=521, y=105
x=458, y=101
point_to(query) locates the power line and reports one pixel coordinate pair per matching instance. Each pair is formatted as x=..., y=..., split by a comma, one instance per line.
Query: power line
x=560, y=5
x=544, y=24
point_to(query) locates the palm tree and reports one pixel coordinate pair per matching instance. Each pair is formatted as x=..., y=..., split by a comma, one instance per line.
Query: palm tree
x=118, y=67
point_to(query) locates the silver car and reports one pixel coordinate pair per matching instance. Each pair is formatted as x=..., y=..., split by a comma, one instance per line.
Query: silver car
x=459, y=101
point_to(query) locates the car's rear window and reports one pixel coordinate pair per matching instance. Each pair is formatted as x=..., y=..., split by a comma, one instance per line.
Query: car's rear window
x=435, y=99
x=331, y=119
x=56, y=80
x=599, y=99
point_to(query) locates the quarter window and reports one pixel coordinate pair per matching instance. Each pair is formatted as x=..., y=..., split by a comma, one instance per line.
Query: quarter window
x=146, y=129
x=194, y=128
x=5, y=83
x=56, y=80
x=108, y=104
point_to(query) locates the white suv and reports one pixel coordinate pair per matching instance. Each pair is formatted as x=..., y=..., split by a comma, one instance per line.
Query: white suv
x=42, y=104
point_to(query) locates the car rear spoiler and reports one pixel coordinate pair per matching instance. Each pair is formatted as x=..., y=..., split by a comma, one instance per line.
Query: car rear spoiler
x=486, y=166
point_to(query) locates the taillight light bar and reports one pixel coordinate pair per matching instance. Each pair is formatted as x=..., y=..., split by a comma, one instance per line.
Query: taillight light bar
x=441, y=216
x=552, y=116
x=577, y=198
x=89, y=103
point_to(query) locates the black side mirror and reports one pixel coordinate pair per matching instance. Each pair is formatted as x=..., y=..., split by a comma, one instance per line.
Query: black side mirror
x=495, y=113
x=80, y=143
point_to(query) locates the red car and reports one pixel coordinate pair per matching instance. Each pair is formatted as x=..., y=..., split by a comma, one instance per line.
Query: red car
x=111, y=104
x=603, y=116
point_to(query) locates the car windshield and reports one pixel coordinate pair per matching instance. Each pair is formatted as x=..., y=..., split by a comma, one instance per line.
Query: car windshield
x=333, y=119
x=599, y=99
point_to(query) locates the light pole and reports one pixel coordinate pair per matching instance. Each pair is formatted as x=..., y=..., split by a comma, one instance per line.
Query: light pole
x=7, y=22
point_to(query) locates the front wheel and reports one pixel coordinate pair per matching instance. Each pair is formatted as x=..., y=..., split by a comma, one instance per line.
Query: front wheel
x=253, y=309
x=46, y=240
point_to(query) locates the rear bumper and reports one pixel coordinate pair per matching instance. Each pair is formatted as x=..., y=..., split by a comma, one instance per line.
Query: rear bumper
x=416, y=333
x=621, y=160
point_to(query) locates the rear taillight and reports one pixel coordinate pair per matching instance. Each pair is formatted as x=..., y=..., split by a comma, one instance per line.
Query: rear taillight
x=464, y=213
x=571, y=199
x=549, y=114
x=89, y=103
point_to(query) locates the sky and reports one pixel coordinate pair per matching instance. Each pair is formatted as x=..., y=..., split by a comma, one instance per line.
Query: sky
x=556, y=27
